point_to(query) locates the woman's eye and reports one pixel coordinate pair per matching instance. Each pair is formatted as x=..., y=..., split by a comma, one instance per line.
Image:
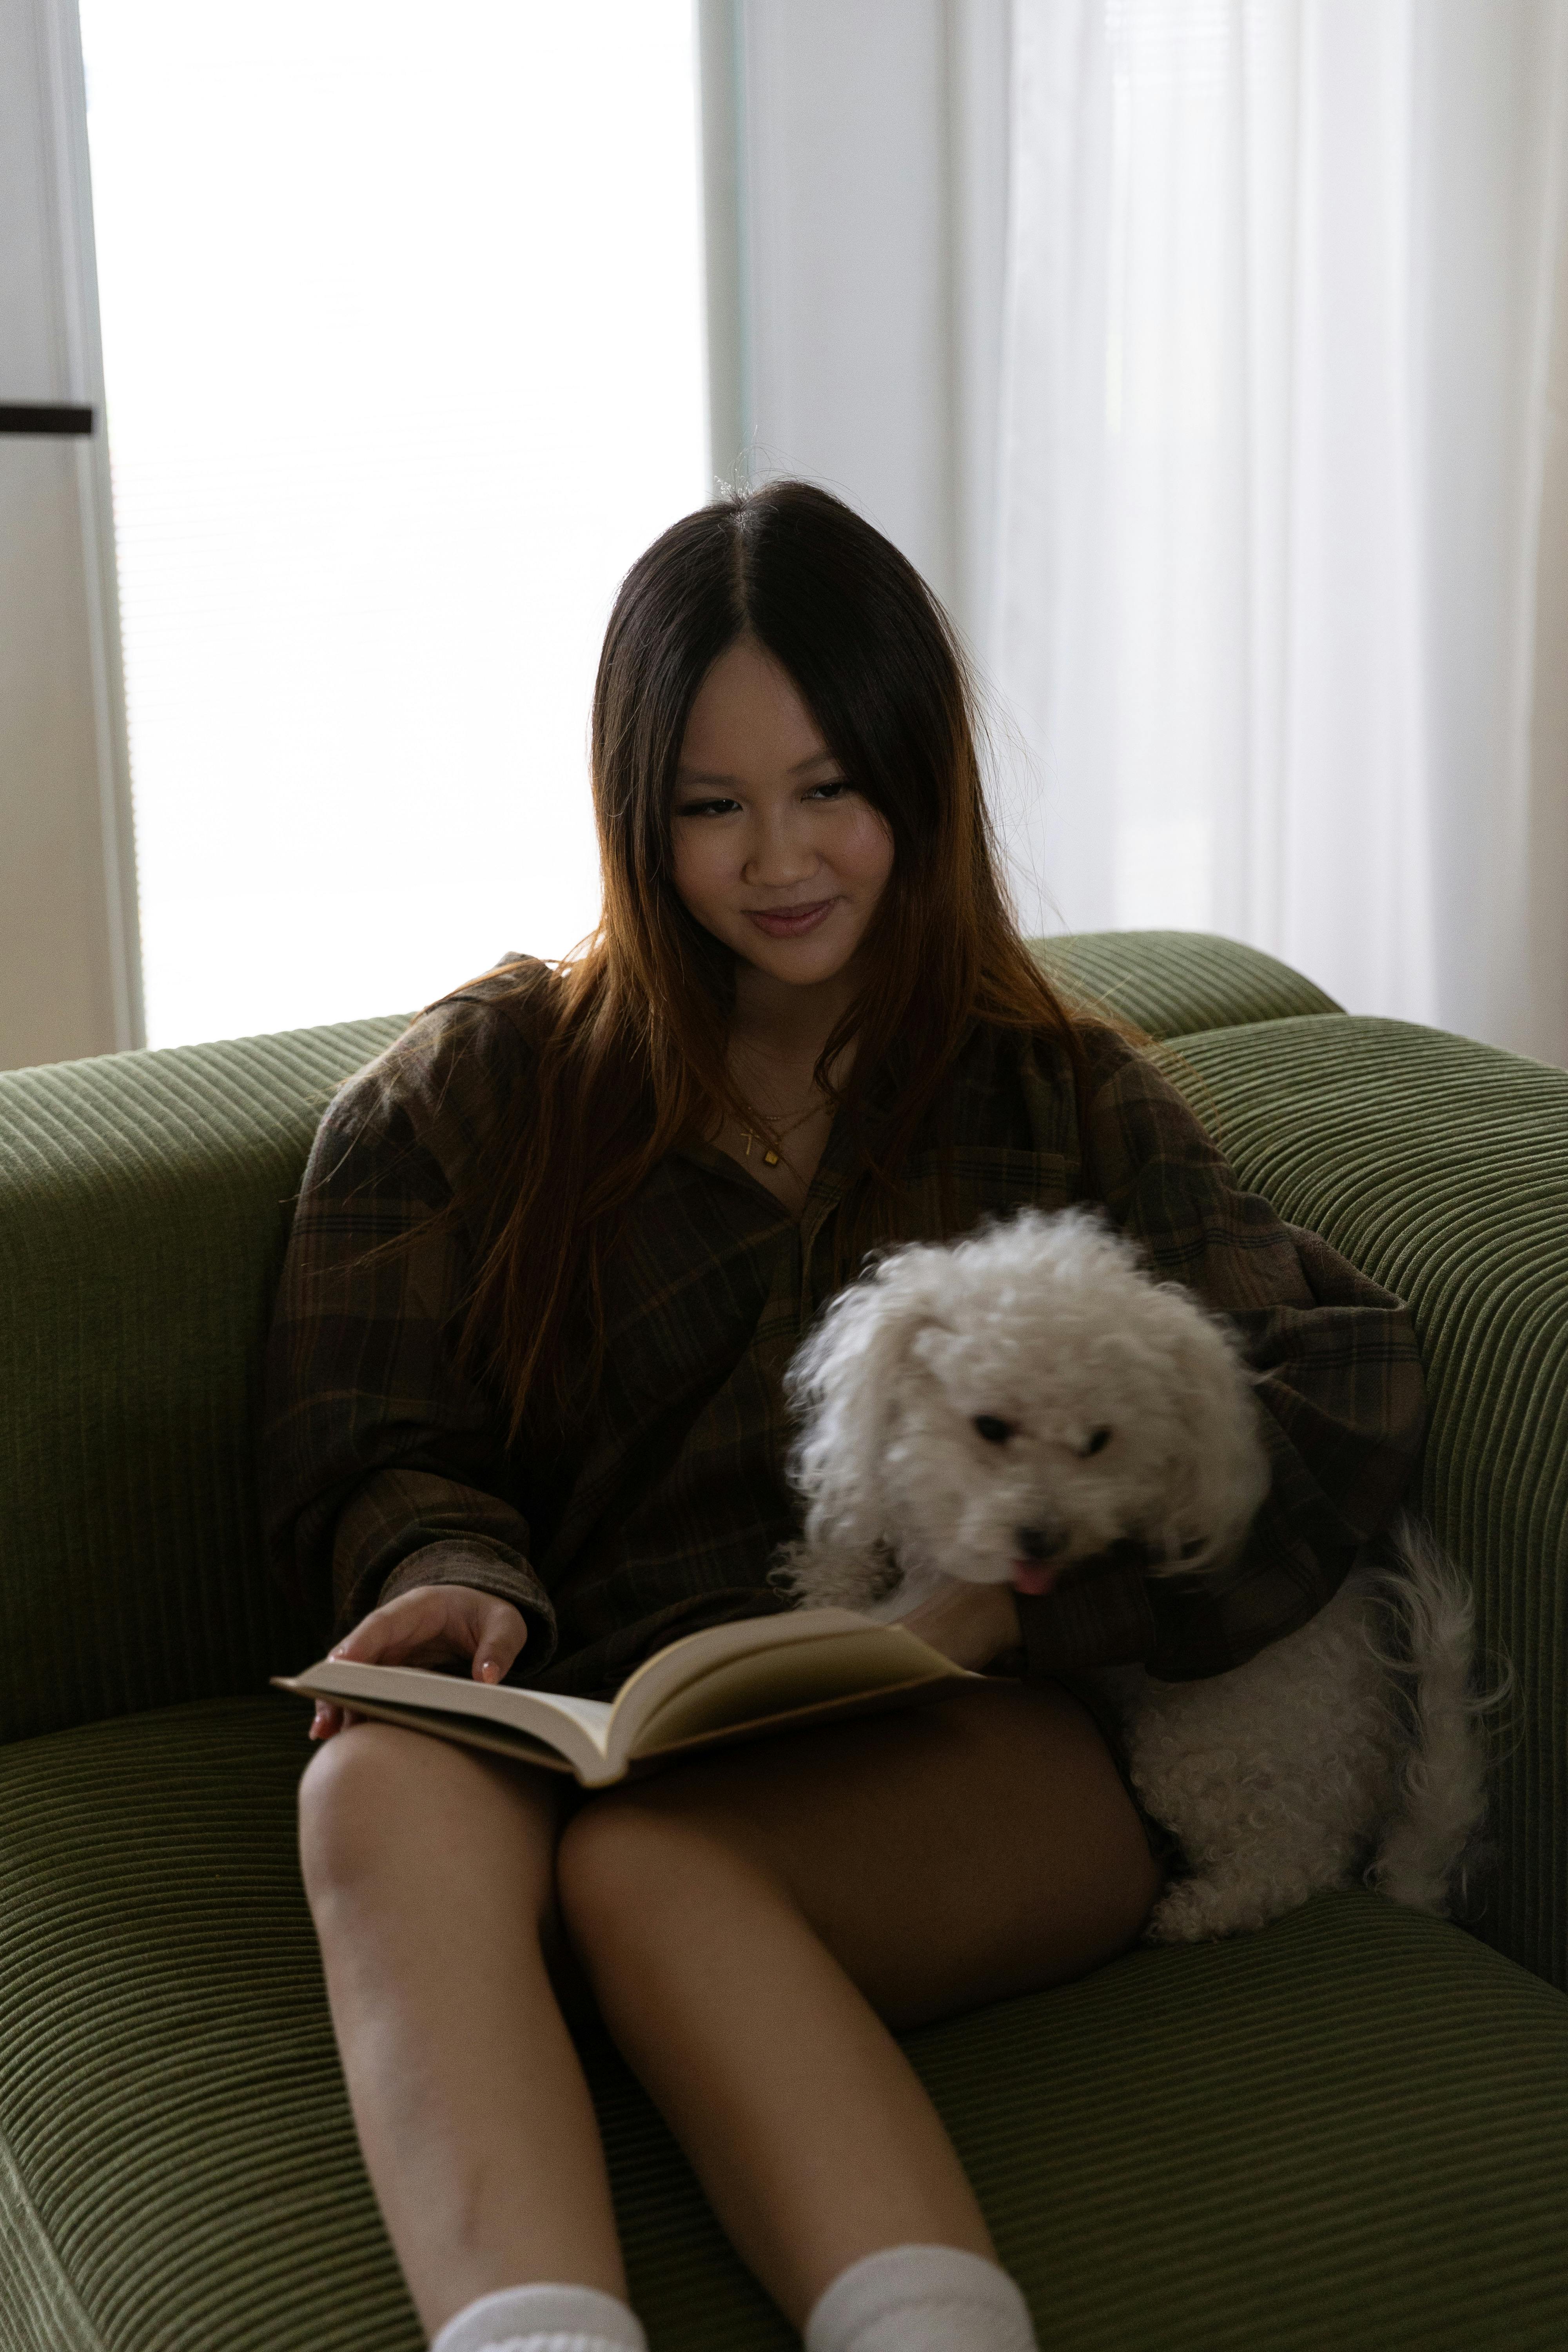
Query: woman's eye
x=995, y=1432
x=1096, y=1442
x=828, y=791
x=706, y=808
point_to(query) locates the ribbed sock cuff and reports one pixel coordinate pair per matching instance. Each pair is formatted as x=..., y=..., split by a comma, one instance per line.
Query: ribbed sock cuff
x=920, y=2299
x=543, y=2319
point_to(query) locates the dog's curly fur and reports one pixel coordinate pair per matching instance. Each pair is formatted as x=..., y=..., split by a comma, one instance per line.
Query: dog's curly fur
x=1006, y=1406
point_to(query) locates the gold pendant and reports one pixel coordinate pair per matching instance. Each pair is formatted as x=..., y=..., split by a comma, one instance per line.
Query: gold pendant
x=770, y=1159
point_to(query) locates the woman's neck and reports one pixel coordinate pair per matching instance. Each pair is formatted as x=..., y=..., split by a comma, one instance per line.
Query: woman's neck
x=777, y=1037
x=775, y=1024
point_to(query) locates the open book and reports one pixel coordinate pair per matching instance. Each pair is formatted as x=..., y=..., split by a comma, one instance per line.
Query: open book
x=728, y=1683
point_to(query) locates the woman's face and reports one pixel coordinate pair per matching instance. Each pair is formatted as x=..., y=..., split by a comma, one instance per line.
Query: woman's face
x=775, y=853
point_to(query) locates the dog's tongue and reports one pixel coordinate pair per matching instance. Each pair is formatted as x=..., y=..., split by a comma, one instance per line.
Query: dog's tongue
x=1032, y=1576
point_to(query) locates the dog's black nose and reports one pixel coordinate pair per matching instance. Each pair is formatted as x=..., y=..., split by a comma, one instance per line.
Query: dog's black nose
x=1038, y=1543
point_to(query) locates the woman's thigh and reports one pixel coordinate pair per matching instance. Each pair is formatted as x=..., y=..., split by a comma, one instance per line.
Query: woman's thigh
x=979, y=1845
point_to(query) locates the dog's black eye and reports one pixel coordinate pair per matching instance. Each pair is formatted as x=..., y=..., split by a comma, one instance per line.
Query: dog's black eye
x=995, y=1432
x=1096, y=1442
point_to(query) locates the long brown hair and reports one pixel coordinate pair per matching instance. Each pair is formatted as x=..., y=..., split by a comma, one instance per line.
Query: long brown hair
x=631, y=1033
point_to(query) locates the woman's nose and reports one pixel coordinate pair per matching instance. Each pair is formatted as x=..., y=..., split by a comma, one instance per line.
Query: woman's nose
x=783, y=854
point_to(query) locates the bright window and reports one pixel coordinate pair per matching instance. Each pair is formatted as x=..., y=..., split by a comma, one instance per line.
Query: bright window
x=403, y=343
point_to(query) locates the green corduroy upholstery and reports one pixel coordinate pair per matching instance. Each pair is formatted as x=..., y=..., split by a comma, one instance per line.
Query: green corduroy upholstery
x=1441, y=1169
x=145, y=1204
x=1173, y=984
x=1346, y=2130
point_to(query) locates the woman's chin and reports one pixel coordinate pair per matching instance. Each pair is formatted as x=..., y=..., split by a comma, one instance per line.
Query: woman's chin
x=808, y=962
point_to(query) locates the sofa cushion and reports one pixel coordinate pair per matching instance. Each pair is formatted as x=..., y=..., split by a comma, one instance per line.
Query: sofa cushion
x=1441, y=1168
x=1346, y=2130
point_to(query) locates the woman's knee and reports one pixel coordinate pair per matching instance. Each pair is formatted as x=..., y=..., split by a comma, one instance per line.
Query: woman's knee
x=352, y=1793
x=376, y=1800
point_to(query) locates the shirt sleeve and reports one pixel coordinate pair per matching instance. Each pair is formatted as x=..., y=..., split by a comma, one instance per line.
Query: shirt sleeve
x=383, y=1461
x=1338, y=1374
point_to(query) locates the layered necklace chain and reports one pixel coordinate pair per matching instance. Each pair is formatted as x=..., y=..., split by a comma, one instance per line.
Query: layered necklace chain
x=771, y=1155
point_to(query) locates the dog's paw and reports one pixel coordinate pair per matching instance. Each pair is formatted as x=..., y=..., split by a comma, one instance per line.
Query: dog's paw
x=819, y=1576
x=1197, y=1910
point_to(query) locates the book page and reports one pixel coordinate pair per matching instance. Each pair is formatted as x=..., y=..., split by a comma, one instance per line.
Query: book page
x=687, y=1659
x=837, y=1664
x=577, y=1727
x=494, y=1738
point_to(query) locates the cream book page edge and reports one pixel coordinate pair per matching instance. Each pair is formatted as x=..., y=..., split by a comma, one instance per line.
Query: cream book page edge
x=463, y=1731
x=846, y=1666
x=696, y=1657
x=577, y=1727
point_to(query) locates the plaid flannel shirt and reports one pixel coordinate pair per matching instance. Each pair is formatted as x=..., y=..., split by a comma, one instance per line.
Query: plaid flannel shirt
x=657, y=1507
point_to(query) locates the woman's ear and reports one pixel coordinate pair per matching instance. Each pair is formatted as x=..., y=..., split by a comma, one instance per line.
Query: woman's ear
x=847, y=1385
x=1222, y=1472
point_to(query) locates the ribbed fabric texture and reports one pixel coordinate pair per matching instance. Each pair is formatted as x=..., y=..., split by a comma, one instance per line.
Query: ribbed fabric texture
x=1441, y=1168
x=144, y=1203
x=1345, y=2131
x=1173, y=984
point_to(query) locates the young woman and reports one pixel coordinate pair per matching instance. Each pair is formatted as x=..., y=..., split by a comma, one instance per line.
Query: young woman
x=553, y=1255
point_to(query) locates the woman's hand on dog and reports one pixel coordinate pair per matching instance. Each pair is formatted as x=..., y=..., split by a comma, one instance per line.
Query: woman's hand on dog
x=973, y=1625
x=432, y=1625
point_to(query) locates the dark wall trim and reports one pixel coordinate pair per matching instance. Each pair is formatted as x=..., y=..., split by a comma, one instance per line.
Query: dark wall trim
x=44, y=416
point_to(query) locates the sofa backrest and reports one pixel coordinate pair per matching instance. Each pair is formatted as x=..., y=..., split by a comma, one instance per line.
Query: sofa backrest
x=1174, y=983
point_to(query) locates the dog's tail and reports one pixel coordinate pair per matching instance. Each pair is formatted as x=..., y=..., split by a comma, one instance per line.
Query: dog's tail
x=1433, y=1845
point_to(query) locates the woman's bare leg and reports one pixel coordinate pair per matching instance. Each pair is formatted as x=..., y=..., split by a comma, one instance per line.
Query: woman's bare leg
x=753, y=1923
x=430, y=1873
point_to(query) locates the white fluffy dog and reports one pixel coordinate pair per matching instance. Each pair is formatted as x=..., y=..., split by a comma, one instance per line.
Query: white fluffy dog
x=1007, y=1406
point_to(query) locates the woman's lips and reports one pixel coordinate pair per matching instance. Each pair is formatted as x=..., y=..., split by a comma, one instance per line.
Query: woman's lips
x=789, y=922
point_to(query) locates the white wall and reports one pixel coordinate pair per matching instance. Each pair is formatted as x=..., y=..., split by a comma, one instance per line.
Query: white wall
x=870, y=170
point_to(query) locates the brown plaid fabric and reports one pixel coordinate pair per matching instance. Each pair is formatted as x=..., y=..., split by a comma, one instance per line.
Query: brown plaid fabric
x=657, y=1507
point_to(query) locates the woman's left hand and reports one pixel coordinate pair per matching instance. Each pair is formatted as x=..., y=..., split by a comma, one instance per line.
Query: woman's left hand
x=973, y=1625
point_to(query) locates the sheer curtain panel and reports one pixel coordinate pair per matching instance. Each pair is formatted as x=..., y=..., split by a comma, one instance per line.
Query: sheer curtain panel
x=1283, y=510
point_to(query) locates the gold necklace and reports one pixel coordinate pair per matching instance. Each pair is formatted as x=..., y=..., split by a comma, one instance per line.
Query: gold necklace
x=771, y=1156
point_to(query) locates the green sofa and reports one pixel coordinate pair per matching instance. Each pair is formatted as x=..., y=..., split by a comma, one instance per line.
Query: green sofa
x=1346, y=2131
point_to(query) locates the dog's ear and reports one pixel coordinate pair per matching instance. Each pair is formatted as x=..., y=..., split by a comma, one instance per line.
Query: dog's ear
x=847, y=1385
x=1222, y=1473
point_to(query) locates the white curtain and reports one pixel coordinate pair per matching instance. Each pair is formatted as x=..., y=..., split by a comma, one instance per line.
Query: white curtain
x=1282, y=580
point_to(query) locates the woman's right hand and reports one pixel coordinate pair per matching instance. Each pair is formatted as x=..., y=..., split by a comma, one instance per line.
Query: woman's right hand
x=432, y=1625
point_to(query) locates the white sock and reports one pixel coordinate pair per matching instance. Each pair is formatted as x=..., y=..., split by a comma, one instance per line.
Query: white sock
x=543, y=2319
x=920, y=2299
